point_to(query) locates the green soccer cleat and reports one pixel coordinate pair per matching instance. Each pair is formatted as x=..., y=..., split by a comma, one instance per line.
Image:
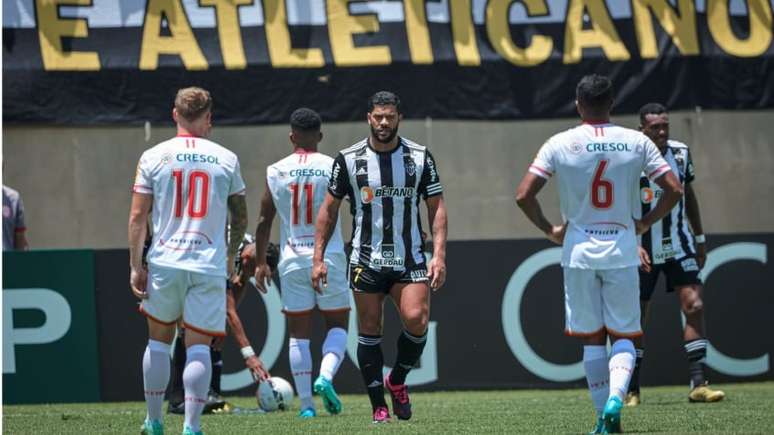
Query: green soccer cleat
x=324, y=388
x=612, y=415
x=600, y=427
x=152, y=428
x=307, y=413
x=188, y=431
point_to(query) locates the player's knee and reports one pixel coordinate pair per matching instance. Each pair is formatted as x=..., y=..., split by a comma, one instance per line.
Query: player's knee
x=369, y=326
x=693, y=306
x=416, y=319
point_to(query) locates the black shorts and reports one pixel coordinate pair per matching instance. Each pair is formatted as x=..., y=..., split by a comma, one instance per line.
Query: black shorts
x=364, y=279
x=684, y=271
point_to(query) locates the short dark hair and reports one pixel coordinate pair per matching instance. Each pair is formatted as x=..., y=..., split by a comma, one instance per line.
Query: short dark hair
x=651, y=109
x=595, y=92
x=191, y=103
x=383, y=98
x=305, y=119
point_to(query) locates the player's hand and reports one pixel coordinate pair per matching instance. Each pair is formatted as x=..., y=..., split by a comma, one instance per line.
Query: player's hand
x=640, y=227
x=138, y=281
x=319, y=276
x=262, y=277
x=644, y=259
x=436, y=272
x=701, y=254
x=257, y=369
x=556, y=234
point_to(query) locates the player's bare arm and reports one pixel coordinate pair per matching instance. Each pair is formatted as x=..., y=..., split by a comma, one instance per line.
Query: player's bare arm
x=262, y=235
x=526, y=199
x=673, y=191
x=237, y=208
x=437, y=217
x=694, y=218
x=252, y=362
x=324, y=226
x=138, y=218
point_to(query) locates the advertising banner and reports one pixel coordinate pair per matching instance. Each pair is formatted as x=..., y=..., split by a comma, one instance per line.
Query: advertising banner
x=498, y=323
x=108, y=61
x=50, y=351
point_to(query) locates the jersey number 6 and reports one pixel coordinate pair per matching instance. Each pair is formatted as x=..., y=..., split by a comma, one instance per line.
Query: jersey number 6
x=601, y=189
x=309, y=191
x=198, y=192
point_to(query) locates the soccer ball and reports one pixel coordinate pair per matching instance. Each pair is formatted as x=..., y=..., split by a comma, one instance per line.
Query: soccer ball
x=274, y=394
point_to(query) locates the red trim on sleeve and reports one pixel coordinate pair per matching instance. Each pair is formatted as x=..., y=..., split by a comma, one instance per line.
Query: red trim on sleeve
x=659, y=169
x=541, y=170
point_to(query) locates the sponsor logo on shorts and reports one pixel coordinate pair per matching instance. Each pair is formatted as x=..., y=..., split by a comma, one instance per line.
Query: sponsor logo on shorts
x=387, y=257
x=690, y=265
x=666, y=254
x=418, y=275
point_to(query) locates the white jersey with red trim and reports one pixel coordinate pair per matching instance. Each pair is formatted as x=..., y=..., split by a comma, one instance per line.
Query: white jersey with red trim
x=298, y=185
x=190, y=179
x=598, y=167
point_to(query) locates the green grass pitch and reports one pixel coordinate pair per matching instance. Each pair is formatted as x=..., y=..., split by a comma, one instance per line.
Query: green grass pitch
x=748, y=408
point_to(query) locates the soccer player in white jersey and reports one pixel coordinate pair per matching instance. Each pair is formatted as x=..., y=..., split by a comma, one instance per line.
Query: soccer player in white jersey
x=296, y=187
x=190, y=184
x=672, y=248
x=598, y=166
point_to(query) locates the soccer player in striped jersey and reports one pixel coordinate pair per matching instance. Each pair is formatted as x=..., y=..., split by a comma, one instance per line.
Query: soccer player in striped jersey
x=191, y=185
x=671, y=248
x=385, y=176
x=295, y=189
x=598, y=165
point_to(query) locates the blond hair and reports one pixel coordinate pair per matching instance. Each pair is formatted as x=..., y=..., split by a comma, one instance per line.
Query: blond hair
x=191, y=103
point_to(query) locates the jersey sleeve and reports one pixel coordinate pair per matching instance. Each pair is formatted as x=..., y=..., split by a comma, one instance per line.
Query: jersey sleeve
x=689, y=173
x=143, y=183
x=237, y=183
x=20, y=225
x=653, y=165
x=543, y=165
x=338, y=184
x=430, y=183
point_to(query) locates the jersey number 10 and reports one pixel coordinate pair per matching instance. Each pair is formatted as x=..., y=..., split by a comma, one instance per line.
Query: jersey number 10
x=198, y=192
x=309, y=191
x=601, y=189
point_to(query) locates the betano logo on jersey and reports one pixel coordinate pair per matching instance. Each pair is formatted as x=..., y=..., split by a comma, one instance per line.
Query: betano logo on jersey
x=368, y=193
x=649, y=195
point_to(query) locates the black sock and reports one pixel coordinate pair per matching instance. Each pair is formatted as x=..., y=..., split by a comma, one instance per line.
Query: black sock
x=176, y=393
x=371, y=361
x=634, y=383
x=697, y=355
x=216, y=357
x=410, y=348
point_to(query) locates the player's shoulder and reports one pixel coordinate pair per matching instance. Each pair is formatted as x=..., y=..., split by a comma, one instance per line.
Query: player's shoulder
x=219, y=149
x=408, y=143
x=10, y=193
x=677, y=145
x=359, y=146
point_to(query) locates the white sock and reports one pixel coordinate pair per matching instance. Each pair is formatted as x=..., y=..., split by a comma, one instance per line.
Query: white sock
x=301, y=366
x=196, y=380
x=155, y=376
x=622, y=358
x=597, y=375
x=333, y=352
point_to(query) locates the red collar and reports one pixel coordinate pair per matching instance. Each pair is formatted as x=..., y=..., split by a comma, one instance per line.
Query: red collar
x=186, y=135
x=596, y=122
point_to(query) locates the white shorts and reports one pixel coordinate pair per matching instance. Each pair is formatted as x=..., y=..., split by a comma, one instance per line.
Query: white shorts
x=602, y=299
x=200, y=299
x=298, y=296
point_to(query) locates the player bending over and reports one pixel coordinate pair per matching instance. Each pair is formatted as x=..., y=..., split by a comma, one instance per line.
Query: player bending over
x=598, y=166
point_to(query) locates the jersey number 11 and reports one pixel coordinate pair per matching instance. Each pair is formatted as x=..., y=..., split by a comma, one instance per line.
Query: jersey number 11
x=309, y=191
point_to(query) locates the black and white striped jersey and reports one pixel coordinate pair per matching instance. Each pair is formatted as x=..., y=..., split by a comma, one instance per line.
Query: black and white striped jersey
x=671, y=237
x=385, y=189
